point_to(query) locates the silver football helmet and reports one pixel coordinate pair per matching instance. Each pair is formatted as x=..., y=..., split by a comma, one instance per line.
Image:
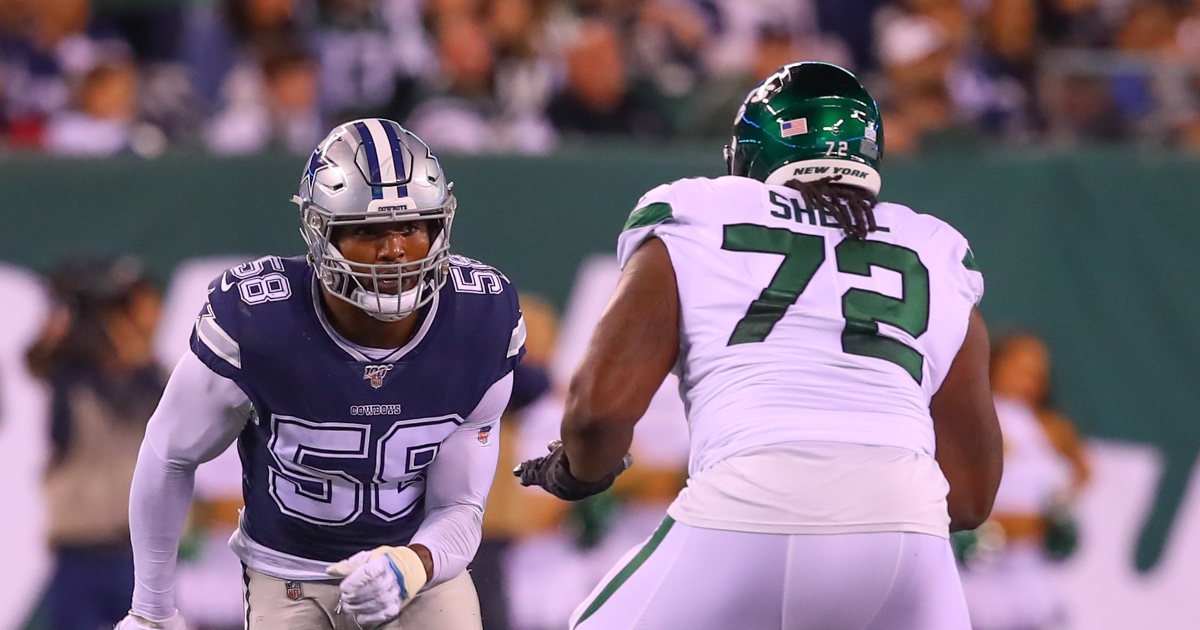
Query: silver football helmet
x=375, y=171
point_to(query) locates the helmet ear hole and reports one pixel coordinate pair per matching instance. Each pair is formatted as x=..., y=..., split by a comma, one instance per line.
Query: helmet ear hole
x=314, y=220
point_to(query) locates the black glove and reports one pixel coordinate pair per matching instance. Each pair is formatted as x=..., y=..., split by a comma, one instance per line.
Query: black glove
x=553, y=475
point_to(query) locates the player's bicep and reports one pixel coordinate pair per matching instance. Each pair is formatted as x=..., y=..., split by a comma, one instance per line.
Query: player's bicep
x=635, y=344
x=199, y=415
x=969, y=443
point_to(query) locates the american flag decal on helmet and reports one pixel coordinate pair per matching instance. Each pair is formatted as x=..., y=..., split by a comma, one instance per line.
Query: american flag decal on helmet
x=794, y=127
x=375, y=374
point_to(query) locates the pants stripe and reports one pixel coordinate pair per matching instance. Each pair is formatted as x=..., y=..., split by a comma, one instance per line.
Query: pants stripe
x=621, y=577
x=246, y=594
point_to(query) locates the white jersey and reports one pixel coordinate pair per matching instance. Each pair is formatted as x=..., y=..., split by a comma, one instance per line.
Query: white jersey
x=793, y=333
x=1036, y=475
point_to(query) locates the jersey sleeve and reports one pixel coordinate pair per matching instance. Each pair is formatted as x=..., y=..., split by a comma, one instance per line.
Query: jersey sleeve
x=517, y=333
x=500, y=334
x=215, y=334
x=965, y=268
x=458, y=483
x=950, y=252
x=661, y=210
x=974, y=275
x=199, y=415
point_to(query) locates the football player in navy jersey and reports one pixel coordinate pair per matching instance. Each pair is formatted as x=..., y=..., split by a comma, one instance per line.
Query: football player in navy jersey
x=364, y=385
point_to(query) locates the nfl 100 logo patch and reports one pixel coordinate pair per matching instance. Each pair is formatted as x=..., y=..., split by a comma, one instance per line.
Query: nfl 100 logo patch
x=376, y=373
x=294, y=592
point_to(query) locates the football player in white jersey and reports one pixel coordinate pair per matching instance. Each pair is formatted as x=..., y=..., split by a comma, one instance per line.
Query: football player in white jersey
x=835, y=374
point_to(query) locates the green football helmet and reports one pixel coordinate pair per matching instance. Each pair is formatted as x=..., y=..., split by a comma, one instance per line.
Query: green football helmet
x=807, y=121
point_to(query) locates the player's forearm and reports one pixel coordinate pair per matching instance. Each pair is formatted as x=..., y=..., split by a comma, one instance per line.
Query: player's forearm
x=159, y=499
x=426, y=557
x=631, y=351
x=450, y=537
x=601, y=410
x=457, y=488
x=595, y=444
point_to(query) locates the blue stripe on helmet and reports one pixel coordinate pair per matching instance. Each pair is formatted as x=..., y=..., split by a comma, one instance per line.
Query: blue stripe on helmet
x=368, y=141
x=397, y=152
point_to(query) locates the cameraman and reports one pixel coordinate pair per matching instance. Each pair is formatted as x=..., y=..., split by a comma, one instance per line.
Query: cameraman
x=95, y=355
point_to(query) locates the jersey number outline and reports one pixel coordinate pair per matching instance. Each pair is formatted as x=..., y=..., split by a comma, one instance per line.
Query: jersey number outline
x=472, y=276
x=256, y=289
x=317, y=493
x=478, y=281
x=803, y=255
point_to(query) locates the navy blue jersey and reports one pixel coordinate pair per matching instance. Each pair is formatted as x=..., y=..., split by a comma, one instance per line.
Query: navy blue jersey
x=333, y=460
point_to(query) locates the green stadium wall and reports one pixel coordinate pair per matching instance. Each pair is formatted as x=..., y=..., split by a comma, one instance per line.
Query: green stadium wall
x=1094, y=250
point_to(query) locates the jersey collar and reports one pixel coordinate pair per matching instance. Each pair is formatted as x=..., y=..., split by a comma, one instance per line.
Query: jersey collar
x=359, y=353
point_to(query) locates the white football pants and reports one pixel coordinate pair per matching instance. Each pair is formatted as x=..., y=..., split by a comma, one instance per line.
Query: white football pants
x=708, y=579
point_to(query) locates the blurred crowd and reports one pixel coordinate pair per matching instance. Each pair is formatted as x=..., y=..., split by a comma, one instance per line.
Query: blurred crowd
x=100, y=77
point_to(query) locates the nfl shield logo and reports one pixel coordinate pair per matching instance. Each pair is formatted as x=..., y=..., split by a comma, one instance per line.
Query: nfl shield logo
x=484, y=434
x=375, y=374
x=293, y=590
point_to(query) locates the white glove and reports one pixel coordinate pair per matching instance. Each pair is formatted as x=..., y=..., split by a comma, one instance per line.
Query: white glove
x=378, y=583
x=138, y=622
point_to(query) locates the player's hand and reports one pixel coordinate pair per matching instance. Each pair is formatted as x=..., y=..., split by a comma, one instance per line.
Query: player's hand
x=138, y=622
x=552, y=473
x=378, y=583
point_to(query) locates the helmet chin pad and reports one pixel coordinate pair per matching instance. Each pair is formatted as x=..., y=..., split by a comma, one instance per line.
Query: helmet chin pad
x=384, y=306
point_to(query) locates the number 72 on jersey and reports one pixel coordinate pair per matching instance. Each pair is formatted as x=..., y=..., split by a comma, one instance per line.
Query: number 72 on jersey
x=803, y=255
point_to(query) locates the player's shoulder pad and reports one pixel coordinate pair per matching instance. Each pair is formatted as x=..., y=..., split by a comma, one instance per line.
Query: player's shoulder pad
x=944, y=241
x=670, y=202
x=270, y=280
x=217, y=329
x=690, y=200
x=921, y=226
x=472, y=277
x=491, y=298
x=235, y=297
